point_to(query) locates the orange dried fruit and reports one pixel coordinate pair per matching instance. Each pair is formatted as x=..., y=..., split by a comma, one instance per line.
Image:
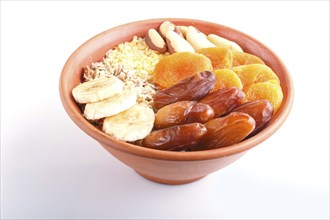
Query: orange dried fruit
x=254, y=73
x=221, y=57
x=242, y=58
x=269, y=90
x=178, y=66
x=226, y=78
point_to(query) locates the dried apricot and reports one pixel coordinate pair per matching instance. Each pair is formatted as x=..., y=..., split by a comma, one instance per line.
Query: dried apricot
x=254, y=73
x=226, y=78
x=225, y=131
x=242, y=58
x=269, y=90
x=178, y=66
x=221, y=57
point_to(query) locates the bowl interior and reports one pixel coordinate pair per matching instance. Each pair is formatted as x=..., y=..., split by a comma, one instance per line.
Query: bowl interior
x=94, y=50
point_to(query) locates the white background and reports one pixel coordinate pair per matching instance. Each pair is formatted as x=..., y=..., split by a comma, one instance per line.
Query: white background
x=51, y=169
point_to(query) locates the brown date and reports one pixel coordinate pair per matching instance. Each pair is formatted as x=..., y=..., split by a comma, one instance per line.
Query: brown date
x=192, y=88
x=225, y=131
x=224, y=100
x=182, y=113
x=176, y=138
x=260, y=110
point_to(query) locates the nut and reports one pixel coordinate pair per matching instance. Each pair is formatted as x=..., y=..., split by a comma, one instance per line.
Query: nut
x=155, y=41
x=183, y=30
x=176, y=43
x=223, y=42
x=167, y=26
x=197, y=39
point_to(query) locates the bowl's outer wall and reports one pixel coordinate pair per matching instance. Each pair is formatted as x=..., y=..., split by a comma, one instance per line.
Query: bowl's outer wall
x=169, y=167
x=172, y=172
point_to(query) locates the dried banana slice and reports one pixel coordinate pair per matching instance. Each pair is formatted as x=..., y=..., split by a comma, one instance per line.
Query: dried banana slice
x=131, y=125
x=110, y=106
x=97, y=90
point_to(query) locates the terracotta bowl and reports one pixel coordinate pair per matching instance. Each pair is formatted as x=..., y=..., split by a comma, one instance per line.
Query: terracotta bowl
x=165, y=166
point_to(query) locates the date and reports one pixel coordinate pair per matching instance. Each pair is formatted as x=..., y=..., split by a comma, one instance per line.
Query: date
x=183, y=112
x=176, y=138
x=225, y=131
x=261, y=110
x=224, y=100
x=192, y=88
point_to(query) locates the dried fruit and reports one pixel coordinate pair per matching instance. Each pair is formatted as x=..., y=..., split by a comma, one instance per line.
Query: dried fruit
x=226, y=78
x=130, y=125
x=221, y=57
x=176, y=138
x=200, y=112
x=190, y=89
x=224, y=100
x=254, y=73
x=182, y=113
x=242, y=58
x=111, y=106
x=260, y=110
x=225, y=131
x=178, y=66
x=97, y=90
x=269, y=90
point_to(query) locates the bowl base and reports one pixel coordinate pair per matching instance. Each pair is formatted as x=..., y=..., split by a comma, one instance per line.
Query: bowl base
x=167, y=181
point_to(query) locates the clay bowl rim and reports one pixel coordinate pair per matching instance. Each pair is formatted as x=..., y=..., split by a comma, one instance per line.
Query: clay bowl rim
x=108, y=141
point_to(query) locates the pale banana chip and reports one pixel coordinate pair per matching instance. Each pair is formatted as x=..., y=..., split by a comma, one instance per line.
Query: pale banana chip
x=131, y=125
